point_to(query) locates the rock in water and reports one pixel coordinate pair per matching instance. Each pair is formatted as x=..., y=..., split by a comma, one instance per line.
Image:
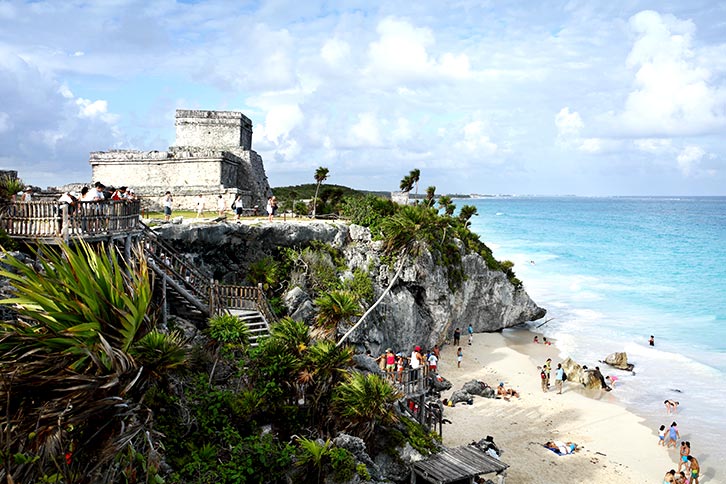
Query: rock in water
x=578, y=374
x=620, y=361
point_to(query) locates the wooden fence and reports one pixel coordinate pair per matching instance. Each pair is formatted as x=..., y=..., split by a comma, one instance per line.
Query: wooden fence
x=37, y=220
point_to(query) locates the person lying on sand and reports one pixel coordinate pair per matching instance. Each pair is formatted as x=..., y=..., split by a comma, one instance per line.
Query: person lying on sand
x=561, y=448
x=505, y=393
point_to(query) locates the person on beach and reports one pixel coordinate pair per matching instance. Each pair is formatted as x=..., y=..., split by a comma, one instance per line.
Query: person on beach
x=505, y=393
x=611, y=379
x=661, y=435
x=543, y=379
x=536, y=339
x=544, y=340
x=459, y=357
x=673, y=436
x=599, y=376
x=671, y=406
x=685, y=451
x=437, y=352
x=559, y=378
x=457, y=337
x=547, y=369
x=670, y=477
x=651, y=340
x=470, y=330
x=681, y=478
x=695, y=469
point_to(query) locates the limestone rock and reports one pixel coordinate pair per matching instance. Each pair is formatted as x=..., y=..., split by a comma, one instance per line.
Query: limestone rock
x=460, y=396
x=619, y=360
x=367, y=364
x=420, y=309
x=476, y=387
x=576, y=373
x=440, y=384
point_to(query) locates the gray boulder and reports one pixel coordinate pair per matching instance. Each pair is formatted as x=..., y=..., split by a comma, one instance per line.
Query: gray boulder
x=477, y=387
x=366, y=364
x=576, y=373
x=460, y=396
x=619, y=361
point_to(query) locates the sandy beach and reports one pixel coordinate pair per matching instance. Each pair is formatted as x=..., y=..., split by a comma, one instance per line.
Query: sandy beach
x=615, y=444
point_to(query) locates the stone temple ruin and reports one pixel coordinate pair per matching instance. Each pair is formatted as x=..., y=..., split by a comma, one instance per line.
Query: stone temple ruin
x=212, y=156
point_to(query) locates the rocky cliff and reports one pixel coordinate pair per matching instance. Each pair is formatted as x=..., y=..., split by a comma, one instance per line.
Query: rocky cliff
x=420, y=309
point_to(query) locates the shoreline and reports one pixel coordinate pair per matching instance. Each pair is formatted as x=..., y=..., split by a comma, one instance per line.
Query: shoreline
x=616, y=444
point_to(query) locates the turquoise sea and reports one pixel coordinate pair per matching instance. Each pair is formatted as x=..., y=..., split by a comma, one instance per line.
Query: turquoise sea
x=613, y=271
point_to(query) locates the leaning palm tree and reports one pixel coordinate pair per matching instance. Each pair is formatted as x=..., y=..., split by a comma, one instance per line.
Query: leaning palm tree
x=415, y=177
x=404, y=234
x=335, y=307
x=321, y=174
x=365, y=403
x=430, y=195
x=465, y=214
x=406, y=184
x=76, y=362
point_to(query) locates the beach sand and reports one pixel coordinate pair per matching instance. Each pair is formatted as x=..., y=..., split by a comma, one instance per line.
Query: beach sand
x=616, y=445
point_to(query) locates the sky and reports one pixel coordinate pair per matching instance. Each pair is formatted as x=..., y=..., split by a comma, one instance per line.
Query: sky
x=588, y=98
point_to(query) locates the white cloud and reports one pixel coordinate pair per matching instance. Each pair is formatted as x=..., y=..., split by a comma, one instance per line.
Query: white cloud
x=476, y=140
x=401, y=54
x=673, y=93
x=569, y=124
x=280, y=121
x=334, y=51
x=402, y=131
x=653, y=145
x=366, y=131
x=591, y=145
x=90, y=109
x=688, y=159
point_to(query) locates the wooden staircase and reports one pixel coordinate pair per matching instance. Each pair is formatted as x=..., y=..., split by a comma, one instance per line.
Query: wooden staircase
x=195, y=294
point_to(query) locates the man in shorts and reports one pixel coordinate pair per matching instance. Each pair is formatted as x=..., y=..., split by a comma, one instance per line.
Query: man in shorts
x=695, y=469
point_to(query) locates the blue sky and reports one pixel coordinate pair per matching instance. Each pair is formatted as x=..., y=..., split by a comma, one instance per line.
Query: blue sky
x=520, y=97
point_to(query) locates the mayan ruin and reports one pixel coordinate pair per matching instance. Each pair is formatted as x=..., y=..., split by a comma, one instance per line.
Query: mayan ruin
x=212, y=156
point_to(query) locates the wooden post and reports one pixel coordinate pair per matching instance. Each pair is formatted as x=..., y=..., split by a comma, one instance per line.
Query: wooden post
x=164, y=310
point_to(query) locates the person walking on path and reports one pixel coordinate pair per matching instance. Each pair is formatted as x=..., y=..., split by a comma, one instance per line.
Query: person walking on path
x=459, y=357
x=168, y=202
x=559, y=378
x=221, y=206
x=238, y=206
x=457, y=337
x=470, y=330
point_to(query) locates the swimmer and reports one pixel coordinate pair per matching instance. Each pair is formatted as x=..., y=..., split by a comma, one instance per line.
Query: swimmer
x=671, y=406
x=611, y=379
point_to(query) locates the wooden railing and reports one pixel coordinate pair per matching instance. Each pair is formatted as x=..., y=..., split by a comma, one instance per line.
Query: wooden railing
x=37, y=220
x=245, y=297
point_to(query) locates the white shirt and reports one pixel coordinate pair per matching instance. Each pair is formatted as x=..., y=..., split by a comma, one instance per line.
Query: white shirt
x=415, y=363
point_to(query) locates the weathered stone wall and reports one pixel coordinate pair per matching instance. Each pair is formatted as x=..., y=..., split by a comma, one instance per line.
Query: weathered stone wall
x=212, y=157
x=213, y=129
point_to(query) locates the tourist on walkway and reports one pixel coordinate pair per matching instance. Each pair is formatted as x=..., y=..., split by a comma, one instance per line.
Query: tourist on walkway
x=457, y=337
x=200, y=205
x=238, y=206
x=416, y=360
x=221, y=206
x=168, y=201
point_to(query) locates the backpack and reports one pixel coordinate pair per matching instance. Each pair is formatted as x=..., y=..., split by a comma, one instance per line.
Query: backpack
x=234, y=204
x=564, y=375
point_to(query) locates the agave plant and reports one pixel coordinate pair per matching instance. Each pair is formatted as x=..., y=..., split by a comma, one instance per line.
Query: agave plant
x=335, y=307
x=365, y=402
x=70, y=365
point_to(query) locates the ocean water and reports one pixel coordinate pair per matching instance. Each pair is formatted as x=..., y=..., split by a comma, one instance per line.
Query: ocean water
x=613, y=271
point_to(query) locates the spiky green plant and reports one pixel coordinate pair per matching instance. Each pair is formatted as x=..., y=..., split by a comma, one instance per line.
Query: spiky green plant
x=336, y=307
x=365, y=402
x=71, y=381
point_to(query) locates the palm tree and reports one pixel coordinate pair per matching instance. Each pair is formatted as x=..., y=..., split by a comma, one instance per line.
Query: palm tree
x=321, y=174
x=446, y=203
x=466, y=212
x=404, y=234
x=430, y=195
x=406, y=184
x=312, y=454
x=365, y=402
x=75, y=364
x=415, y=177
x=334, y=308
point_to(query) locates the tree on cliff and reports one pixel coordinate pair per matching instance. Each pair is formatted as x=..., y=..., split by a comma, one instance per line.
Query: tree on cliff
x=415, y=177
x=465, y=214
x=335, y=307
x=430, y=195
x=321, y=174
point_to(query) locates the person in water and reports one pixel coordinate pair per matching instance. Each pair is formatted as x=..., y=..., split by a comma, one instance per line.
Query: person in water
x=651, y=341
x=671, y=406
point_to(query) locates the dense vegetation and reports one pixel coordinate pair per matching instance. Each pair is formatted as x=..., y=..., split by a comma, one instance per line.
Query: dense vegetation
x=94, y=390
